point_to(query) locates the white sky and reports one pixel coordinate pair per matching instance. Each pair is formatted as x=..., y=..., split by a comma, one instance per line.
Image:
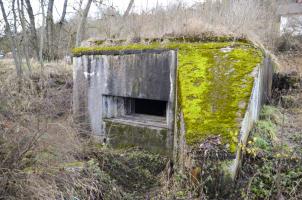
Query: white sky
x=73, y=5
x=120, y=5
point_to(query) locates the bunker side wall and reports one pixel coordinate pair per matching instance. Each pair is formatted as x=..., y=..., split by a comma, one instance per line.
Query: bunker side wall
x=261, y=94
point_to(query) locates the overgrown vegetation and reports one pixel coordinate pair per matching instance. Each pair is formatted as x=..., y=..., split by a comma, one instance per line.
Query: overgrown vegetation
x=42, y=154
x=272, y=169
x=255, y=19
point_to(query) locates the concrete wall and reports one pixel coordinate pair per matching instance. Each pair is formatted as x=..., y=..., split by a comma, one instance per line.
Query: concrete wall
x=261, y=94
x=144, y=76
x=153, y=139
x=102, y=83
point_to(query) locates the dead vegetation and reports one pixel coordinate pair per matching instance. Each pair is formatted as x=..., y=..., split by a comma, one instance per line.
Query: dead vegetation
x=272, y=168
x=31, y=134
x=44, y=156
x=253, y=19
x=272, y=162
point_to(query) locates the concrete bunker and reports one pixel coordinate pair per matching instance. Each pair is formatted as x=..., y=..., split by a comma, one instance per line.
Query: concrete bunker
x=171, y=96
x=127, y=98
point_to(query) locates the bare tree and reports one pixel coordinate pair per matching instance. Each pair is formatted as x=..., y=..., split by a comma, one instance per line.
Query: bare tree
x=81, y=27
x=25, y=43
x=62, y=21
x=11, y=37
x=50, y=30
x=32, y=27
x=128, y=8
x=42, y=35
x=15, y=33
x=131, y=2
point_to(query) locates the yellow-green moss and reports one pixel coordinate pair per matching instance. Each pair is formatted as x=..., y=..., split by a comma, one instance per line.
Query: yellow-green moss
x=214, y=85
x=99, y=49
x=215, y=88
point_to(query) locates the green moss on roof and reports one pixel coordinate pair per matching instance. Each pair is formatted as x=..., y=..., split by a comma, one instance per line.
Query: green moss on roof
x=101, y=49
x=214, y=84
x=215, y=88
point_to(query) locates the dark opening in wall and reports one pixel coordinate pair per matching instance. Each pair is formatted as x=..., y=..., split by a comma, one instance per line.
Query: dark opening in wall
x=149, y=107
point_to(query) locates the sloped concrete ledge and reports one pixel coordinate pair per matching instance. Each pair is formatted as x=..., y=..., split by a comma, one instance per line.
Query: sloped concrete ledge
x=261, y=94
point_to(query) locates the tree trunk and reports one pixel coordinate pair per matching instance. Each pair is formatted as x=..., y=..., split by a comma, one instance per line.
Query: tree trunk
x=15, y=34
x=62, y=20
x=24, y=33
x=61, y=23
x=32, y=27
x=12, y=41
x=128, y=8
x=126, y=13
x=81, y=27
x=50, y=30
x=42, y=36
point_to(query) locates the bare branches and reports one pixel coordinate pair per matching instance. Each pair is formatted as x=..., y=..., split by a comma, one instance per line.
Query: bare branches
x=32, y=27
x=63, y=13
x=42, y=35
x=24, y=40
x=12, y=39
x=128, y=8
x=81, y=27
x=50, y=30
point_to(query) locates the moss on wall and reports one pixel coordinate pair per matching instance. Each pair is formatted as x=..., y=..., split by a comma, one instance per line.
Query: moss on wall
x=126, y=136
x=214, y=81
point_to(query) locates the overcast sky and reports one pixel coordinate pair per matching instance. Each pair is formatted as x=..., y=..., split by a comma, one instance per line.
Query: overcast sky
x=120, y=5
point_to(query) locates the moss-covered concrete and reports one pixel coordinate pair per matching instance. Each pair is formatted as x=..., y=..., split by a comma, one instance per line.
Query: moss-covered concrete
x=125, y=136
x=214, y=84
x=214, y=89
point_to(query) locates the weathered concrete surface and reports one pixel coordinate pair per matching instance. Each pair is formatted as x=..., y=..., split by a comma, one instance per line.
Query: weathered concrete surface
x=154, y=139
x=104, y=83
x=261, y=93
x=80, y=91
x=144, y=76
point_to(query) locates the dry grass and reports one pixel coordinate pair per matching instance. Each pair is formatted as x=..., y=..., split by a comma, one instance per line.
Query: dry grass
x=37, y=137
x=290, y=62
x=42, y=154
x=252, y=18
